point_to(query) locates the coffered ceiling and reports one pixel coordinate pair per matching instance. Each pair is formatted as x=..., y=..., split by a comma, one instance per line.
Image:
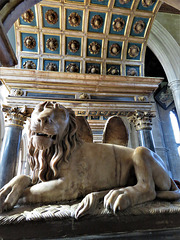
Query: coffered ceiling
x=106, y=37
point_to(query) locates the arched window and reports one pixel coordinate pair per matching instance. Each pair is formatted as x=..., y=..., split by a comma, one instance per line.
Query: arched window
x=175, y=127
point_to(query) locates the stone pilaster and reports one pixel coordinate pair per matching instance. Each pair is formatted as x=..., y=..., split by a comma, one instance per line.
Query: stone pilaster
x=14, y=121
x=142, y=122
x=175, y=87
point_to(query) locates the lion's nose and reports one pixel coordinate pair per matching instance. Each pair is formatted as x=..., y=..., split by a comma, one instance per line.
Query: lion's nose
x=43, y=120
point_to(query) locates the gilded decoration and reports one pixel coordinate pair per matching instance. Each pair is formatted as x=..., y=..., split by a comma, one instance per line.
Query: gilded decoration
x=72, y=67
x=51, y=67
x=84, y=96
x=114, y=49
x=96, y=21
x=15, y=116
x=148, y=3
x=51, y=16
x=28, y=16
x=94, y=48
x=133, y=51
x=124, y=1
x=29, y=65
x=139, y=26
x=132, y=72
x=118, y=24
x=113, y=71
x=73, y=46
x=93, y=69
x=74, y=19
x=52, y=44
x=29, y=42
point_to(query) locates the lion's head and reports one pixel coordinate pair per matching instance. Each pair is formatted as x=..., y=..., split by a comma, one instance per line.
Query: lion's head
x=52, y=138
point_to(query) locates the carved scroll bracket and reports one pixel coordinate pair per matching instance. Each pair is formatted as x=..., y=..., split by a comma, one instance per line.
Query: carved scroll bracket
x=141, y=120
x=15, y=116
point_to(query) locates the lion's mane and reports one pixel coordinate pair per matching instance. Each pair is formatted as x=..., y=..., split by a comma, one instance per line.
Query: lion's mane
x=45, y=164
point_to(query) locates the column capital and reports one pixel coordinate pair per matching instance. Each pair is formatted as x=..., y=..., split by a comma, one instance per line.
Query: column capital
x=141, y=120
x=174, y=85
x=15, y=116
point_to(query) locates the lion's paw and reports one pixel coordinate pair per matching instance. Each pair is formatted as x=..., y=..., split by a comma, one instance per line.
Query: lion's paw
x=86, y=205
x=117, y=199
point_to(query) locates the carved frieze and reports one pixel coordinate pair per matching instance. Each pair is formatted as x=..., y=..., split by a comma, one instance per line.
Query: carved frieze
x=74, y=19
x=51, y=67
x=72, y=67
x=96, y=21
x=29, y=65
x=51, y=16
x=132, y=72
x=28, y=16
x=133, y=51
x=29, y=42
x=93, y=69
x=139, y=26
x=94, y=48
x=118, y=24
x=52, y=44
x=148, y=3
x=114, y=49
x=73, y=46
x=113, y=71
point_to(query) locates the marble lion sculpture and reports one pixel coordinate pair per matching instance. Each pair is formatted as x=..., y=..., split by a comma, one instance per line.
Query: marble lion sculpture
x=66, y=168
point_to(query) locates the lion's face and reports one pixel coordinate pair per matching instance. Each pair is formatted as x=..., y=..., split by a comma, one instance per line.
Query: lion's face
x=48, y=123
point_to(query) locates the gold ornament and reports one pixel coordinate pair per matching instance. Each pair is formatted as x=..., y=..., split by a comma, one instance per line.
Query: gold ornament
x=132, y=72
x=148, y=3
x=72, y=67
x=94, y=48
x=113, y=71
x=93, y=69
x=29, y=65
x=29, y=42
x=28, y=16
x=52, y=44
x=133, y=51
x=96, y=21
x=73, y=46
x=74, y=19
x=124, y=1
x=118, y=24
x=139, y=26
x=51, y=16
x=114, y=49
x=51, y=67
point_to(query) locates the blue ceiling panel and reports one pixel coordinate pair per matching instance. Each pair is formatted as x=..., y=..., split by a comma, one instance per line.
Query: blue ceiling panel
x=132, y=70
x=125, y=5
x=33, y=62
x=31, y=39
x=92, y=16
x=113, y=28
x=73, y=46
x=102, y=2
x=114, y=49
x=91, y=51
x=69, y=26
x=55, y=50
x=54, y=63
x=143, y=6
x=134, y=51
x=32, y=18
x=45, y=22
x=139, y=26
x=72, y=66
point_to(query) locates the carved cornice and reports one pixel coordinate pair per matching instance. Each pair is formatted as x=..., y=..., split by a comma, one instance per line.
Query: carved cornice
x=141, y=120
x=15, y=116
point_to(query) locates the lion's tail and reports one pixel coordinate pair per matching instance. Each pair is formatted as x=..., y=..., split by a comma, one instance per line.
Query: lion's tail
x=173, y=194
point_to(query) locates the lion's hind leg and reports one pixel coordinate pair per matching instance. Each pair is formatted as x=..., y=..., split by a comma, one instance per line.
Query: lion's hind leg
x=142, y=192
